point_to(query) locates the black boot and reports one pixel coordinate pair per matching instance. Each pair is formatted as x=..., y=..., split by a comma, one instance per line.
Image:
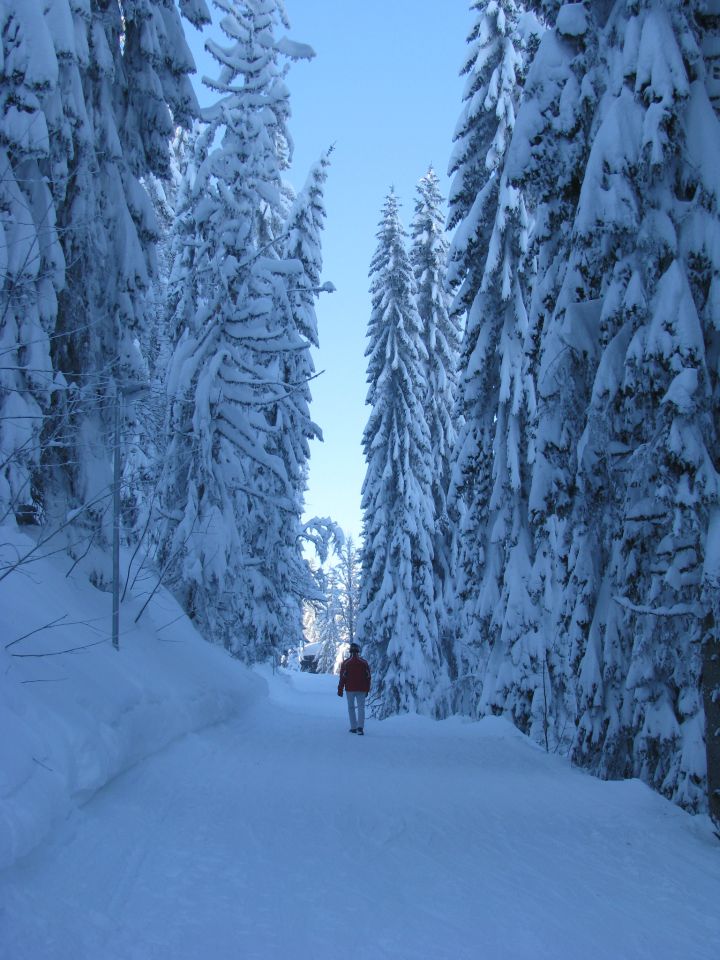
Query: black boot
x=360, y=731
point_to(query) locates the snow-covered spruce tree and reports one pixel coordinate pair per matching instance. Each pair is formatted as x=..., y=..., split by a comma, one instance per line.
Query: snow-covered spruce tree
x=480, y=138
x=328, y=626
x=651, y=202
x=397, y=622
x=515, y=636
x=600, y=293
x=624, y=483
x=545, y=161
x=498, y=48
x=441, y=338
x=143, y=443
x=169, y=197
x=235, y=468
x=123, y=76
x=347, y=571
x=294, y=427
x=334, y=622
x=31, y=258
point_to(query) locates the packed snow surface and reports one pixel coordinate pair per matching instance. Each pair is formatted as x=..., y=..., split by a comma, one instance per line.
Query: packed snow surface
x=280, y=835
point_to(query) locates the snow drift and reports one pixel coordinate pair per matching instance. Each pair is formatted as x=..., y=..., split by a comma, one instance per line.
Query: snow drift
x=72, y=721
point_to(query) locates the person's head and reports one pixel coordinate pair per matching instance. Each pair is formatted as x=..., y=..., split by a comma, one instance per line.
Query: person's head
x=354, y=649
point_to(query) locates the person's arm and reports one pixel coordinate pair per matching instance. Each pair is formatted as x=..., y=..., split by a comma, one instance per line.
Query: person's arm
x=341, y=681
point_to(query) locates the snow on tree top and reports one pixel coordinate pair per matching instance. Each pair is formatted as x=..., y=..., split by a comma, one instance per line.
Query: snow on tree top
x=572, y=20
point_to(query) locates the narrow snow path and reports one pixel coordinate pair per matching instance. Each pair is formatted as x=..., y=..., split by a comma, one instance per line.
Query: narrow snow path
x=283, y=836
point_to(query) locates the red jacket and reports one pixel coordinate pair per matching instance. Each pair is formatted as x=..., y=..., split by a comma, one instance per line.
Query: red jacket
x=354, y=675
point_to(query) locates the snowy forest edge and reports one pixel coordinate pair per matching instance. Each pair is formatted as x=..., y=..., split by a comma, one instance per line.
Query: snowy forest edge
x=541, y=537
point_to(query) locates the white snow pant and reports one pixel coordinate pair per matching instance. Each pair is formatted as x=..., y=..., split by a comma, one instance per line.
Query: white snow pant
x=355, y=699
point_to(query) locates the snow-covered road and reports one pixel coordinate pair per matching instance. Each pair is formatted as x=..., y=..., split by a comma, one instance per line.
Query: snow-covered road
x=282, y=836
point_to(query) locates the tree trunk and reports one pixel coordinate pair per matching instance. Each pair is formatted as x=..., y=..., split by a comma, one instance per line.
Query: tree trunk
x=711, y=699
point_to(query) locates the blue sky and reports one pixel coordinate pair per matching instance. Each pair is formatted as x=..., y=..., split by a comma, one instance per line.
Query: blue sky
x=384, y=88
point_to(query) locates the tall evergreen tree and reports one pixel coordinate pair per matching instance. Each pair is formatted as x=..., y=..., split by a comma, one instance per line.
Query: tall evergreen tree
x=650, y=435
x=489, y=243
x=480, y=139
x=334, y=622
x=608, y=154
x=441, y=339
x=123, y=75
x=397, y=620
x=328, y=627
x=240, y=423
x=294, y=427
x=32, y=265
x=515, y=632
x=347, y=570
x=143, y=448
x=94, y=89
x=546, y=161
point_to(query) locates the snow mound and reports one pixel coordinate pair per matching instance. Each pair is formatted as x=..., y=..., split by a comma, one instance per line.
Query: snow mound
x=572, y=20
x=73, y=721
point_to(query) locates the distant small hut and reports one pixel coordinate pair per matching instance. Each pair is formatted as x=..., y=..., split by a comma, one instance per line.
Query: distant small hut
x=310, y=657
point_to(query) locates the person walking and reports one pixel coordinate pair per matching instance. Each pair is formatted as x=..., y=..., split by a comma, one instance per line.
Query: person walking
x=355, y=680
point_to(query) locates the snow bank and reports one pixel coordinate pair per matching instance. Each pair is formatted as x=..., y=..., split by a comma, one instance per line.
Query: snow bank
x=73, y=721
